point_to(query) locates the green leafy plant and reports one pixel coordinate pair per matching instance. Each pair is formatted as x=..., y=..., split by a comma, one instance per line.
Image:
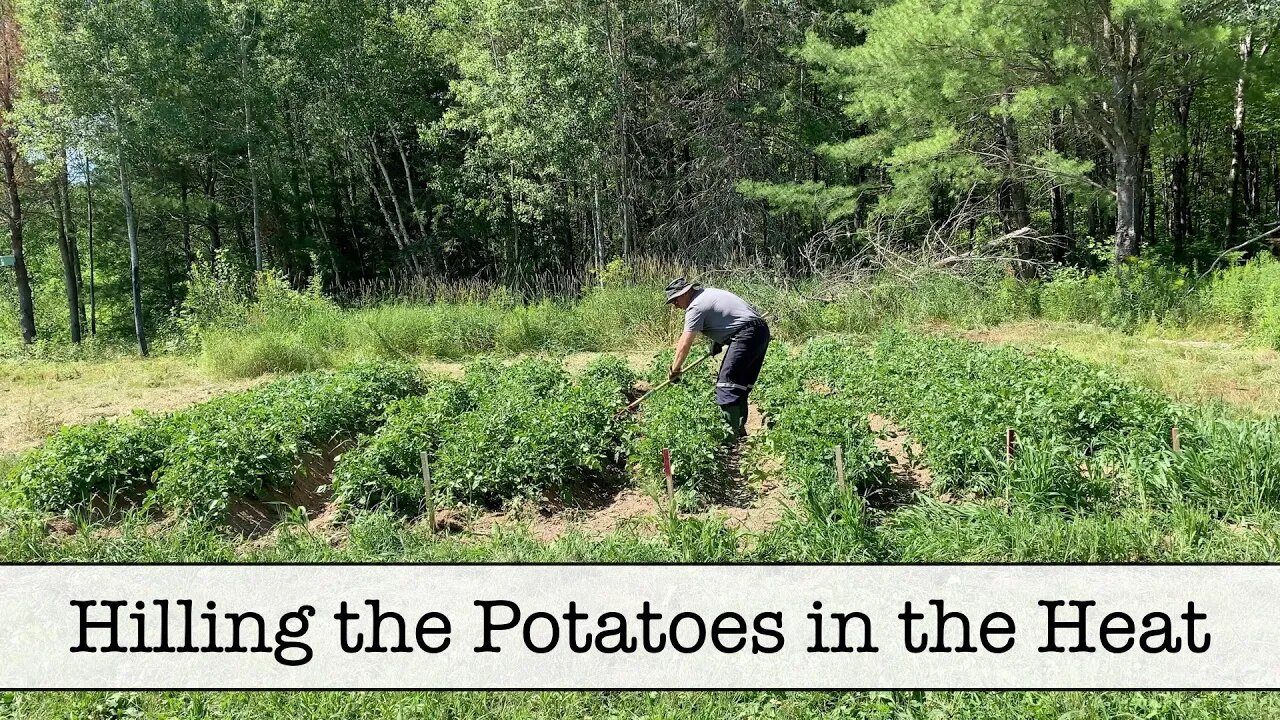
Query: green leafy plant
x=239, y=444
x=502, y=432
x=108, y=458
x=684, y=419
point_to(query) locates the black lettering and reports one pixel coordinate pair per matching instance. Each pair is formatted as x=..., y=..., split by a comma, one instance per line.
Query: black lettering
x=1191, y=616
x=719, y=631
x=675, y=634
x=285, y=638
x=775, y=634
x=236, y=621
x=1051, y=644
x=987, y=630
x=344, y=617
x=490, y=625
x=441, y=629
x=1108, y=629
x=843, y=619
x=376, y=617
x=86, y=625
x=528, y=632
x=621, y=643
x=907, y=616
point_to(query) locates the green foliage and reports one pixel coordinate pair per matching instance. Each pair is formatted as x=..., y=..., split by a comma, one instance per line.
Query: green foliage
x=235, y=354
x=1226, y=467
x=958, y=399
x=198, y=460
x=684, y=419
x=231, y=447
x=239, y=444
x=384, y=470
x=109, y=458
x=1248, y=296
x=1137, y=292
x=501, y=433
x=805, y=433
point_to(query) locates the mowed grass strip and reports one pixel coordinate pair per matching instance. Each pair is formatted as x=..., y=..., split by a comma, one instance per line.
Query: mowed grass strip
x=1243, y=377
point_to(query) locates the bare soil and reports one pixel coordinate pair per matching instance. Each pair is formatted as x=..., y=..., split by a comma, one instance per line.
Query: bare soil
x=254, y=518
x=908, y=473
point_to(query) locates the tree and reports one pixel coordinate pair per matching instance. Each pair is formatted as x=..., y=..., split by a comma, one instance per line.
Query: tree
x=10, y=56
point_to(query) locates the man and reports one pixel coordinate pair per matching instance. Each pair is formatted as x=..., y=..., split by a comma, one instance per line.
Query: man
x=727, y=320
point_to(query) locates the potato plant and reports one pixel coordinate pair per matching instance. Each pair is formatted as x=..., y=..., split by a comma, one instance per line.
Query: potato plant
x=383, y=470
x=105, y=458
x=958, y=398
x=239, y=444
x=683, y=418
x=196, y=460
x=502, y=432
x=804, y=434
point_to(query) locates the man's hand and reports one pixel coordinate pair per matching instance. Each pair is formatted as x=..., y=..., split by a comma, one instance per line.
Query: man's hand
x=682, y=353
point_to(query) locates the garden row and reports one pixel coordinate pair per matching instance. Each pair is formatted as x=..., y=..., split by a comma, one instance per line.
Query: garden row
x=530, y=429
x=198, y=460
x=1082, y=436
x=499, y=433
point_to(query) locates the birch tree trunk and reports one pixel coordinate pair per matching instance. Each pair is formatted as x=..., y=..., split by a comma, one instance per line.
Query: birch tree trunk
x=1236, y=172
x=131, y=225
x=391, y=190
x=88, y=212
x=248, y=146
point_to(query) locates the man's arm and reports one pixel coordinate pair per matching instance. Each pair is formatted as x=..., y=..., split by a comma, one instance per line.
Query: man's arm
x=683, y=346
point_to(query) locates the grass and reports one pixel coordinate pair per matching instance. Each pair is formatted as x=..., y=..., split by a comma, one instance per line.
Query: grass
x=38, y=396
x=1244, y=378
x=673, y=706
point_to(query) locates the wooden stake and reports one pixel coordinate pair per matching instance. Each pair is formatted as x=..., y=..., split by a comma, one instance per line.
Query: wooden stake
x=671, y=483
x=1010, y=442
x=426, y=486
x=1177, y=442
x=840, y=469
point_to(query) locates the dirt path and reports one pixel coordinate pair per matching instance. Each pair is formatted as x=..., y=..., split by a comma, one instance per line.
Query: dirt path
x=908, y=472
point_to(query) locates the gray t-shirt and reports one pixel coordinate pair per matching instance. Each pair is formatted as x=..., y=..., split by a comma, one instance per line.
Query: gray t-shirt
x=718, y=314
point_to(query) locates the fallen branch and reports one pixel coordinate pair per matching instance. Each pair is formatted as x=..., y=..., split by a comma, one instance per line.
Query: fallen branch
x=991, y=245
x=1268, y=234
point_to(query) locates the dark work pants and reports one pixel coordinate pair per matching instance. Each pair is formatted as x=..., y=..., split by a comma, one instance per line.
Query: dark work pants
x=738, y=372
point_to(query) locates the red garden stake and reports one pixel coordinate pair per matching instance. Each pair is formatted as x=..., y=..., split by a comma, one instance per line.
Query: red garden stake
x=671, y=483
x=1010, y=442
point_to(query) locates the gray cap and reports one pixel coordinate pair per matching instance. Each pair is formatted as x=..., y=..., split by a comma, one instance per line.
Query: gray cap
x=678, y=287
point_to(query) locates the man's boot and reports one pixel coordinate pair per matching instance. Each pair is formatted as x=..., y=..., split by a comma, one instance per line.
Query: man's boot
x=736, y=415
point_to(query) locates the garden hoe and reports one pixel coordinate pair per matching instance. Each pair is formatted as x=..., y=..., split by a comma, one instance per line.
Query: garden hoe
x=645, y=396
